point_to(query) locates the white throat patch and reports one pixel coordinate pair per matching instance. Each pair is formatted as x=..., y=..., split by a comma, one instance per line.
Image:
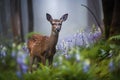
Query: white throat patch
x=53, y=33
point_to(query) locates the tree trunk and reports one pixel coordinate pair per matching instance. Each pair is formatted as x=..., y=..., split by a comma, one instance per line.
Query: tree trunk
x=3, y=18
x=30, y=16
x=21, y=24
x=16, y=21
x=108, y=12
x=115, y=24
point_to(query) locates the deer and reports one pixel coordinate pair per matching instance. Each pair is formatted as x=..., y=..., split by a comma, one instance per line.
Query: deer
x=44, y=47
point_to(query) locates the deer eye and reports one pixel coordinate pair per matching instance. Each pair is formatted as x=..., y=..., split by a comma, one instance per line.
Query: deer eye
x=53, y=24
x=59, y=24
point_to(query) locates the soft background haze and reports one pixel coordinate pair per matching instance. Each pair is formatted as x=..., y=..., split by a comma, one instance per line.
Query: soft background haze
x=79, y=17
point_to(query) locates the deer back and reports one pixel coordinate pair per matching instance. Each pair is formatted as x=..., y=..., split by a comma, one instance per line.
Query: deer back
x=37, y=44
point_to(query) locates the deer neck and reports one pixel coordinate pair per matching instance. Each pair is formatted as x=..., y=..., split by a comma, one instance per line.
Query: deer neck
x=53, y=39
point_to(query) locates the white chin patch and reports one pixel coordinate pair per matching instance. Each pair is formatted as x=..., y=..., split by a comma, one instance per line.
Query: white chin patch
x=54, y=33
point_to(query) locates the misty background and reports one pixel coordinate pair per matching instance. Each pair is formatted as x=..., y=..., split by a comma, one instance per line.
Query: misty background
x=79, y=17
x=20, y=17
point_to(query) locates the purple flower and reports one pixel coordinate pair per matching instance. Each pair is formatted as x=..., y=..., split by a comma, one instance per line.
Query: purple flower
x=55, y=64
x=3, y=53
x=86, y=65
x=21, y=60
x=19, y=74
x=25, y=49
x=96, y=35
x=67, y=56
x=85, y=68
x=111, y=66
x=13, y=54
x=24, y=68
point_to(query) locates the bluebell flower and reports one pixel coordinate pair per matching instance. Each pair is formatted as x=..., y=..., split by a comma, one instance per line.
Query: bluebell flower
x=19, y=57
x=13, y=54
x=79, y=41
x=21, y=60
x=86, y=65
x=67, y=56
x=19, y=74
x=3, y=52
x=111, y=65
x=55, y=64
x=24, y=68
x=90, y=37
x=25, y=49
x=85, y=68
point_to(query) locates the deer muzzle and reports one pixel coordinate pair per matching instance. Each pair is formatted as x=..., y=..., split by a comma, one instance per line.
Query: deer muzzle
x=58, y=29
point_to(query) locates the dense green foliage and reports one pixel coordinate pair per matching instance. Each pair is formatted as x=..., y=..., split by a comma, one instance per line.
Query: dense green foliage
x=100, y=61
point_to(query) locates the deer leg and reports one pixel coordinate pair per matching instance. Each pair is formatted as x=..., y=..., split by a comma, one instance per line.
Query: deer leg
x=43, y=60
x=31, y=63
x=38, y=61
x=50, y=59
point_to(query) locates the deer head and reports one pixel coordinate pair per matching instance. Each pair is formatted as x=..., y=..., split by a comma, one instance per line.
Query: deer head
x=56, y=23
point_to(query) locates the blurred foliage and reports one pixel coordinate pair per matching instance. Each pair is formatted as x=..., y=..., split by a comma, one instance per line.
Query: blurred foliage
x=100, y=61
x=116, y=37
x=30, y=34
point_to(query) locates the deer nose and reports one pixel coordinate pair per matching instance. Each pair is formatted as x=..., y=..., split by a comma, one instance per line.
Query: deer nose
x=58, y=29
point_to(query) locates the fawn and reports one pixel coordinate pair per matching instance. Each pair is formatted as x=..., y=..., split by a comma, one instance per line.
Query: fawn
x=44, y=47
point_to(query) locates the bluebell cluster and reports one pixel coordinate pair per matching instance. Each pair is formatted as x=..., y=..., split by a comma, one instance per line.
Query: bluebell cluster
x=81, y=38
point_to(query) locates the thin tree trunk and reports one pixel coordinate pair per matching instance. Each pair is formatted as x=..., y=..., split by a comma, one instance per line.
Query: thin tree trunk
x=115, y=24
x=21, y=24
x=30, y=16
x=108, y=12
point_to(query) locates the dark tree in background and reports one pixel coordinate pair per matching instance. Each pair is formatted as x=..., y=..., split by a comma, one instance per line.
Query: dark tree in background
x=108, y=12
x=111, y=10
x=11, y=22
x=21, y=24
x=115, y=23
x=3, y=17
x=16, y=20
x=11, y=25
x=30, y=16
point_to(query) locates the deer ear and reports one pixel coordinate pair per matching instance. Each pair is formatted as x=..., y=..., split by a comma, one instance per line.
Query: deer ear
x=49, y=17
x=64, y=17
